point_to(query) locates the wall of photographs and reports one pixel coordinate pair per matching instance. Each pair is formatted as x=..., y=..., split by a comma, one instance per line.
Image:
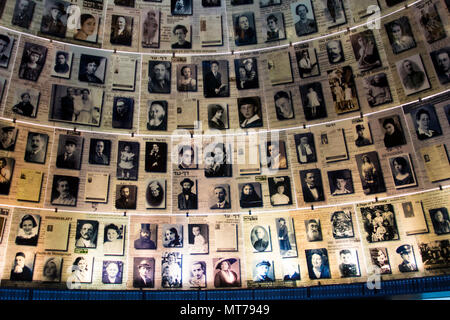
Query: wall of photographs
x=171, y=158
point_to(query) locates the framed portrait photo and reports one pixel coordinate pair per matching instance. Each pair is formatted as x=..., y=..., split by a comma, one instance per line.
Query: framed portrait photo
x=318, y=263
x=377, y=90
x=341, y=182
x=413, y=75
x=308, y=65
x=70, y=150
x=26, y=101
x=100, y=151
x=218, y=116
x=126, y=196
x=65, y=190
x=304, y=17
x=400, y=35
x=150, y=28
x=244, y=28
x=121, y=30
x=127, y=160
x=312, y=186
x=246, y=71
x=92, y=69
x=379, y=223
x=155, y=156
x=250, y=195
x=160, y=75
x=181, y=7
x=250, y=112
x=365, y=50
x=186, y=77
x=313, y=101
x=23, y=13
x=8, y=137
x=54, y=18
x=6, y=46
x=28, y=230
x=283, y=105
x=112, y=272
x=155, y=193
x=36, y=149
x=342, y=225
x=122, y=112
x=426, y=122
x=343, y=89
x=143, y=272
x=273, y=29
x=305, y=147
x=62, y=65
x=402, y=171
x=6, y=170
x=370, y=172
x=182, y=37
x=441, y=63
x=215, y=78
x=280, y=191
x=348, y=263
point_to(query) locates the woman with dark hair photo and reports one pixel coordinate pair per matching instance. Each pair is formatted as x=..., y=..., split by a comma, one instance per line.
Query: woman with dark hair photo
x=27, y=234
x=88, y=25
x=219, y=166
x=172, y=239
x=393, y=135
x=51, y=270
x=113, y=239
x=215, y=117
x=80, y=270
x=380, y=261
x=32, y=63
x=318, y=264
x=249, y=198
x=226, y=277
x=186, y=82
x=402, y=172
x=283, y=235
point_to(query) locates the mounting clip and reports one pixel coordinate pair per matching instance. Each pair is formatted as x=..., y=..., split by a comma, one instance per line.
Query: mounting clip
x=14, y=120
x=290, y=43
x=173, y=54
x=115, y=50
x=124, y=213
x=304, y=126
x=187, y=214
x=74, y=129
x=361, y=115
x=132, y=134
x=440, y=188
x=56, y=209
x=249, y=212
x=312, y=207
x=232, y=52
x=420, y=99
x=376, y=199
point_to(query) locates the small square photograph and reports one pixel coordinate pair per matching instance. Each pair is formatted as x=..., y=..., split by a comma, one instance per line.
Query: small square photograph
x=51, y=271
x=393, y=132
x=112, y=272
x=246, y=71
x=227, y=272
x=348, y=263
x=65, y=190
x=377, y=90
x=274, y=27
x=441, y=220
x=124, y=3
x=155, y=194
x=218, y=160
x=434, y=254
x=187, y=157
x=123, y=109
x=143, y=272
x=26, y=101
x=312, y=185
x=121, y=30
x=280, y=191
x=197, y=274
x=6, y=174
x=89, y=28
x=8, y=137
x=263, y=271
x=402, y=171
x=28, y=230
x=413, y=75
x=86, y=234
x=313, y=230
x=150, y=27
x=308, y=65
x=218, y=116
x=113, y=239
x=431, y=23
x=211, y=3
x=343, y=89
x=181, y=7
x=23, y=13
x=215, y=78
x=127, y=160
x=6, y=45
x=70, y=149
x=171, y=266
x=304, y=18
x=62, y=66
x=400, y=35
x=181, y=37
x=250, y=195
x=92, y=69
x=155, y=157
x=370, y=172
x=334, y=13
x=188, y=199
x=291, y=271
x=100, y=151
x=22, y=266
x=313, y=101
x=380, y=260
x=250, y=112
x=157, y=115
x=335, y=51
x=406, y=253
x=283, y=105
x=260, y=239
x=365, y=50
x=379, y=223
x=286, y=237
x=441, y=63
x=426, y=122
x=342, y=225
x=279, y=67
x=159, y=76
x=126, y=197
x=244, y=28
x=186, y=77
x=340, y=182
x=276, y=155
x=55, y=18
x=198, y=239
x=363, y=134
x=408, y=209
x=318, y=263
x=268, y=3
x=172, y=235
x=306, y=150
x=220, y=197
x=147, y=236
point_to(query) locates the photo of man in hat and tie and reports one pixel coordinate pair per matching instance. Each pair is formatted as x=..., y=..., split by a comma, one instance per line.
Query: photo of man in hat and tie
x=409, y=262
x=187, y=199
x=68, y=155
x=52, y=22
x=143, y=278
x=144, y=241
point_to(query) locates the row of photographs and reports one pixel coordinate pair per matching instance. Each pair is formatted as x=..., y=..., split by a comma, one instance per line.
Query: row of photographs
x=66, y=20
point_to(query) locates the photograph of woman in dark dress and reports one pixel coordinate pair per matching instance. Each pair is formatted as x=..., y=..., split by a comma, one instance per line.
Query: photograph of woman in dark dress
x=393, y=135
x=283, y=235
x=28, y=232
x=249, y=198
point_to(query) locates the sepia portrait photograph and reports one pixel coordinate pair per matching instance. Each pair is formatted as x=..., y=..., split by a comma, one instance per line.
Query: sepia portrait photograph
x=33, y=61
x=6, y=46
x=273, y=28
x=92, y=69
x=379, y=223
x=143, y=272
x=187, y=199
x=220, y=197
x=155, y=194
x=313, y=101
x=318, y=263
x=348, y=263
x=36, y=149
x=121, y=30
x=112, y=272
x=246, y=71
x=434, y=254
x=198, y=238
x=343, y=89
x=312, y=185
x=377, y=90
x=426, y=122
x=342, y=225
x=250, y=195
x=365, y=50
x=8, y=137
x=341, y=182
x=28, y=230
x=187, y=157
x=100, y=151
x=250, y=112
x=181, y=37
x=157, y=115
x=441, y=63
x=440, y=220
x=260, y=239
x=55, y=18
x=22, y=266
x=431, y=23
x=304, y=18
x=244, y=28
x=400, y=35
x=86, y=234
x=334, y=13
x=283, y=105
x=150, y=26
x=155, y=156
x=181, y=7
x=227, y=272
x=127, y=160
x=335, y=51
x=197, y=274
x=126, y=196
x=159, y=76
x=171, y=266
x=215, y=78
x=88, y=29
x=263, y=271
x=70, y=149
x=218, y=158
x=305, y=146
x=363, y=134
x=380, y=260
x=122, y=113
x=412, y=74
x=313, y=230
x=62, y=65
x=402, y=171
x=52, y=269
x=186, y=77
x=276, y=155
x=286, y=237
x=146, y=238
x=26, y=101
x=218, y=116
x=113, y=239
x=394, y=135
x=308, y=65
x=280, y=191
x=407, y=258
x=370, y=172
x=65, y=190
x=23, y=13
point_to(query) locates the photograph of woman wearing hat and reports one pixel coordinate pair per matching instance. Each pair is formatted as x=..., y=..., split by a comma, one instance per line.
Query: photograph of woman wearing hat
x=20, y=271
x=33, y=60
x=224, y=276
x=28, y=232
x=54, y=20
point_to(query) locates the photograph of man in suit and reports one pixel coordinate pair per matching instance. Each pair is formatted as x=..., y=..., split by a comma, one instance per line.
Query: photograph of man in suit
x=213, y=81
x=143, y=278
x=23, y=13
x=64, y=195
x=86, y=235
x=144, y=241
x=119, y=32
x=36, y=147
x=4, y=52
x=98, y=157
x=69, y=159
x=312, y=186
x=221, y=196
x=159, y=77
x=126, y=201
x=67, y=103
x=51, y=23
x=187, y=199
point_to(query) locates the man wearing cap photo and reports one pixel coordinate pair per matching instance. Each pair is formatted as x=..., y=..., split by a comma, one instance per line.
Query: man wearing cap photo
x=143, y=279
x=51, y=23
x=36, y=148
x=144, y=241
x=69, y=159
x=261, y=272
x=187, y=199
x=408, y=263
x=361, y=140
x=88, y=68
x=8, y=138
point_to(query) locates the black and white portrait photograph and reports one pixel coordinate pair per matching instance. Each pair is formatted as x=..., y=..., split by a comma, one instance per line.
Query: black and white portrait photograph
x=159, y=76
x=6, y=45
x=377, y=90
x=122, y=112
x=218, y=116
x=86, y=234
x=431, y=23
x=268, y=3
x=126, y=197
x=441, y=63
x=22, y=266
x=88, y=29
x=304, y=18
x=343, y=89
x=263, y=271
x=313, y=101
x=426, y=122
x=412, y=74
x=8, y=137
x=308, y=65
x=342, y=225
x=260, y=239
x=54, y=18
x=186, y=77
x=6, y=174
x=26, y=101
x=197, y=274
x=51, y=271
x=187, y=198
x=335, y=51
x=394, y=135
x=380, y=260
x=341, y=182
x=370, y=172
x=92, y=69
x=36, y=149
x=28, y=230
x=100, y=151
x=291, y=271
x=227, y=272
x=283, y=105
x=286, y=237
x=313, y=230
x=220, y=197
x=273, y=28
x=334, y=13
x=150, y=25
x=402, y=171
x=65, y=190
x=218, y=158
x=348, y=263
x=171, y=266
x=181, y=7
x=363, y=134
x=121, y=30
x=407, y=258
x=246, y=71
x=312, y=185
x=143, y=272
x=70, y=149
x=76, y=105
x=155, y=156
x=23, y=13
x=32, y=62
x=125, y=3
x=112, y=272
x=127, y=160
x=187, y=157
x=250, y=195
x=211, y=3
x=305, y=146
x=440, y=220
x=400, y=35
x=62, y=65
x=113, y=239
x=365, y=50
x=155, y=194
x=146, y=238
x=250, y=112
x=198, y=238
x=215, y=78
x=181, y=37
x=244, y=28
x=157, y=115
x=280, y=191
x=379, y=223
x=276, y=155
x=318, y=263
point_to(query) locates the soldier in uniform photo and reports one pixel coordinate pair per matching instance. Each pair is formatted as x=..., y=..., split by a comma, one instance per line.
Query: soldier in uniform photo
x=262, y=269
x=409, y=262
